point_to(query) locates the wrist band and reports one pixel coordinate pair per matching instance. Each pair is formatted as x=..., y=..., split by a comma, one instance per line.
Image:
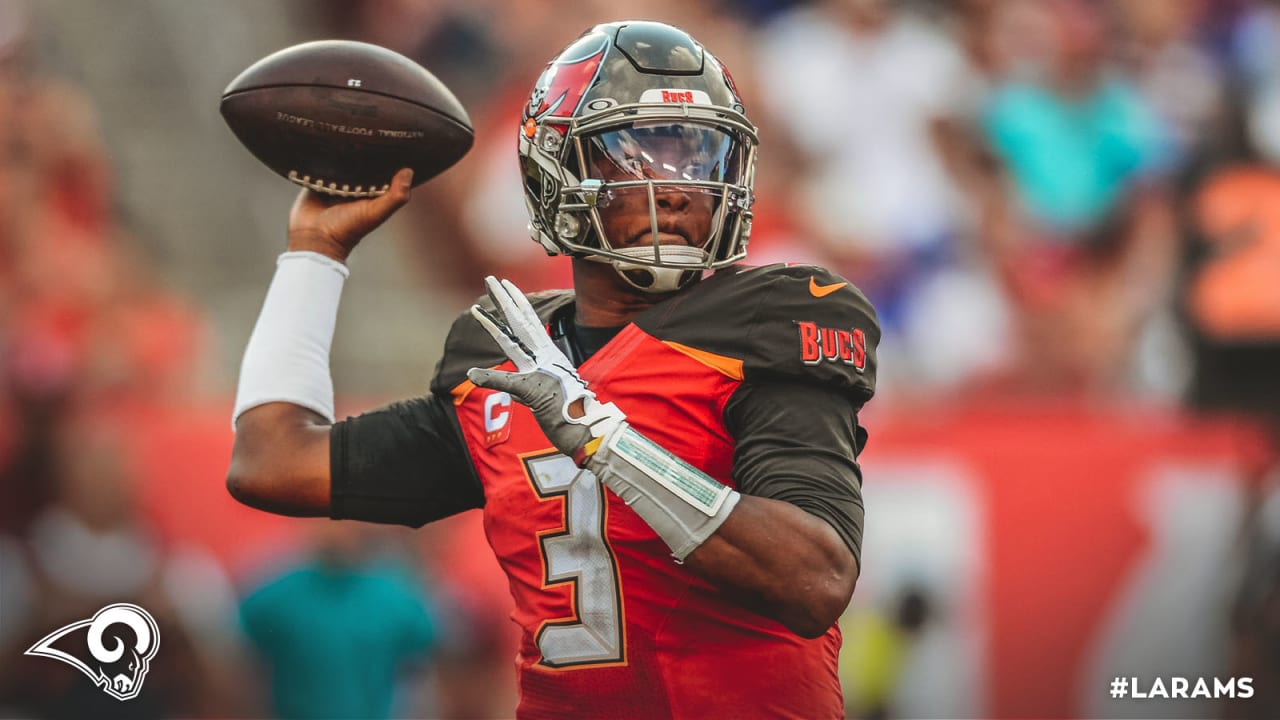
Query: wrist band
x=701, y=491
x=287, y=358
x=682, y=504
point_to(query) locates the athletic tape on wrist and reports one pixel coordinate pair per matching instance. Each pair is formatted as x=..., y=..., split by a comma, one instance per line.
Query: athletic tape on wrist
x=683, y=505
x=703, y=492
x=287, y=358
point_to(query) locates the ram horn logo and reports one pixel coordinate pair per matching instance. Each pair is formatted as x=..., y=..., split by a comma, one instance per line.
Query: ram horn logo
x=119, y=670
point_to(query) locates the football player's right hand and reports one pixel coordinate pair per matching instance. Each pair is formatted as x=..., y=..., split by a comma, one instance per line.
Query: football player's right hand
x=333, y=226
x=567, y=410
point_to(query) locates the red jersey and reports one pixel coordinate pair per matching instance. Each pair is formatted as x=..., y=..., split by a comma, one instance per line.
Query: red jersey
x=612, y=626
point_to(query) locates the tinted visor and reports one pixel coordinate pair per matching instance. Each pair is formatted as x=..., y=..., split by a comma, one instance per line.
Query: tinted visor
x=661, y=150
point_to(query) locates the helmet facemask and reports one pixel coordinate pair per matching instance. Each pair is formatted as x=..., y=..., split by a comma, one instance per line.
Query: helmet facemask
x=664, y=199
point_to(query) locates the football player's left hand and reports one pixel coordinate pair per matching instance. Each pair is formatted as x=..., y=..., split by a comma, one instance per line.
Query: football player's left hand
x=566, y=409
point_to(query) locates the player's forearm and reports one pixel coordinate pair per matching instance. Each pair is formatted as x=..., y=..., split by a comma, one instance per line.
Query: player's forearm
x=780, y=561
x=284, y=400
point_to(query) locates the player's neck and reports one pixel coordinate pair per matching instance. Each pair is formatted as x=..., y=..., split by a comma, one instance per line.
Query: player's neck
x=603, y=299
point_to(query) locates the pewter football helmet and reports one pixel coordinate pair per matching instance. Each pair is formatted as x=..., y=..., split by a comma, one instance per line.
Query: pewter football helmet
x=637, y=108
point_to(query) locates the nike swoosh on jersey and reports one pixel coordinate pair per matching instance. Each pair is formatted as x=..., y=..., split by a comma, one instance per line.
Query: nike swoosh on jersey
x=818, y=291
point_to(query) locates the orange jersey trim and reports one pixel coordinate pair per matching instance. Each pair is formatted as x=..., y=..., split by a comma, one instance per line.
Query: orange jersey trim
x=723, y=364
x=461, y=391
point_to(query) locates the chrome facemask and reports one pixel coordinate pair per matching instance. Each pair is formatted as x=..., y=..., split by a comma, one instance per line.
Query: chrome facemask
x=700, y=153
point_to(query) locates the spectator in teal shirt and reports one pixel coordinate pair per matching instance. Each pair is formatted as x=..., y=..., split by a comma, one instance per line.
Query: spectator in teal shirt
x=1073, y=134
x=1072, y=159
x=338, y=631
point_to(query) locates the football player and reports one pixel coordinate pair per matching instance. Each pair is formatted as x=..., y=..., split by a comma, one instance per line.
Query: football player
x=665, y=456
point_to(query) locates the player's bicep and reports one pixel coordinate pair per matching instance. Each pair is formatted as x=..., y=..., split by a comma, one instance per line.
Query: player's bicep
x=799, y=443
x=405, y=464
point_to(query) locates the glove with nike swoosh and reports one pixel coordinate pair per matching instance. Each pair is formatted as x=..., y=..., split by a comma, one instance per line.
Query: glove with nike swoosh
x=683, y=505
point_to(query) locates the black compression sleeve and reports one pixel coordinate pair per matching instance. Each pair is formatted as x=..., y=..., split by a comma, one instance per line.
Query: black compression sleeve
x=799, y=443
x=404, y=464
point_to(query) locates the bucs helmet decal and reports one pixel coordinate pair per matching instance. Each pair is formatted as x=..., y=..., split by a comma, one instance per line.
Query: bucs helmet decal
x=565, y=80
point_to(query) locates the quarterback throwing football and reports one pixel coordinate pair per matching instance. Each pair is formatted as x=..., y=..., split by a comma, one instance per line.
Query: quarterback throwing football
x=665, y=456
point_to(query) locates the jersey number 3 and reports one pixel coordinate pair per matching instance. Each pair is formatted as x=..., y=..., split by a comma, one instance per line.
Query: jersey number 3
x=578, y=553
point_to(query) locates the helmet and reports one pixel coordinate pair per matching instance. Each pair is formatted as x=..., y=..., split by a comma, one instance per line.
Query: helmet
x=634, y=114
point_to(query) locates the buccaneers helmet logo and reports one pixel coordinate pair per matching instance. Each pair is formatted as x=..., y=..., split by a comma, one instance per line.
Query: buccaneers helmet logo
x=564, y=82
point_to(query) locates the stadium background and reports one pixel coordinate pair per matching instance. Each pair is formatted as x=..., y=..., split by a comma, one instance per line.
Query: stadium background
x=1066, y=212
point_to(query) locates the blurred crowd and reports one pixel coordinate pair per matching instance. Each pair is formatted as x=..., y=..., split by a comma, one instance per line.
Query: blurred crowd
x=1063, y=200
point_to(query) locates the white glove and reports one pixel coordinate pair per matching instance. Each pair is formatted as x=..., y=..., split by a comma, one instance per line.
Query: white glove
x=573, y=420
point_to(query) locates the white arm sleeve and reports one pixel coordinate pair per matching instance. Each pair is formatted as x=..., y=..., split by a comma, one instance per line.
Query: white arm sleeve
x=287, y=359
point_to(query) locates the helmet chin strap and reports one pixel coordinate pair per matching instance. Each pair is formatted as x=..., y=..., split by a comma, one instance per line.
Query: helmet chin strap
x=644, y=275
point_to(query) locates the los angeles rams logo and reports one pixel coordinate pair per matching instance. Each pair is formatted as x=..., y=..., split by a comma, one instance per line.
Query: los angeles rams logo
x=120, y=669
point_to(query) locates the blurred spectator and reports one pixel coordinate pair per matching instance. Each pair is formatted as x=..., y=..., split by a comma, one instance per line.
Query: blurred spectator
x=338, y=630
x=856, y=87
x=82, y=319
x=475, y=673
x=1229, y=223
x=1079, y=231
x=88, y=549
x=1232, y=290
x=1073, y=135
x=1177, y=78
x=473, y=232
x=876, y=652
x=1254, y=53
x=85, y=303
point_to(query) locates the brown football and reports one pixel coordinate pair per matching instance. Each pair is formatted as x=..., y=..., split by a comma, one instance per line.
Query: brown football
x=341, y=117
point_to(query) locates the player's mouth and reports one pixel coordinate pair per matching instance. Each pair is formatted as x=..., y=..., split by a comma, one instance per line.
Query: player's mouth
x=645, y=237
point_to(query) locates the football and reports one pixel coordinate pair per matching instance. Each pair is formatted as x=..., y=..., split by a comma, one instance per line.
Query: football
x=341, y=117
